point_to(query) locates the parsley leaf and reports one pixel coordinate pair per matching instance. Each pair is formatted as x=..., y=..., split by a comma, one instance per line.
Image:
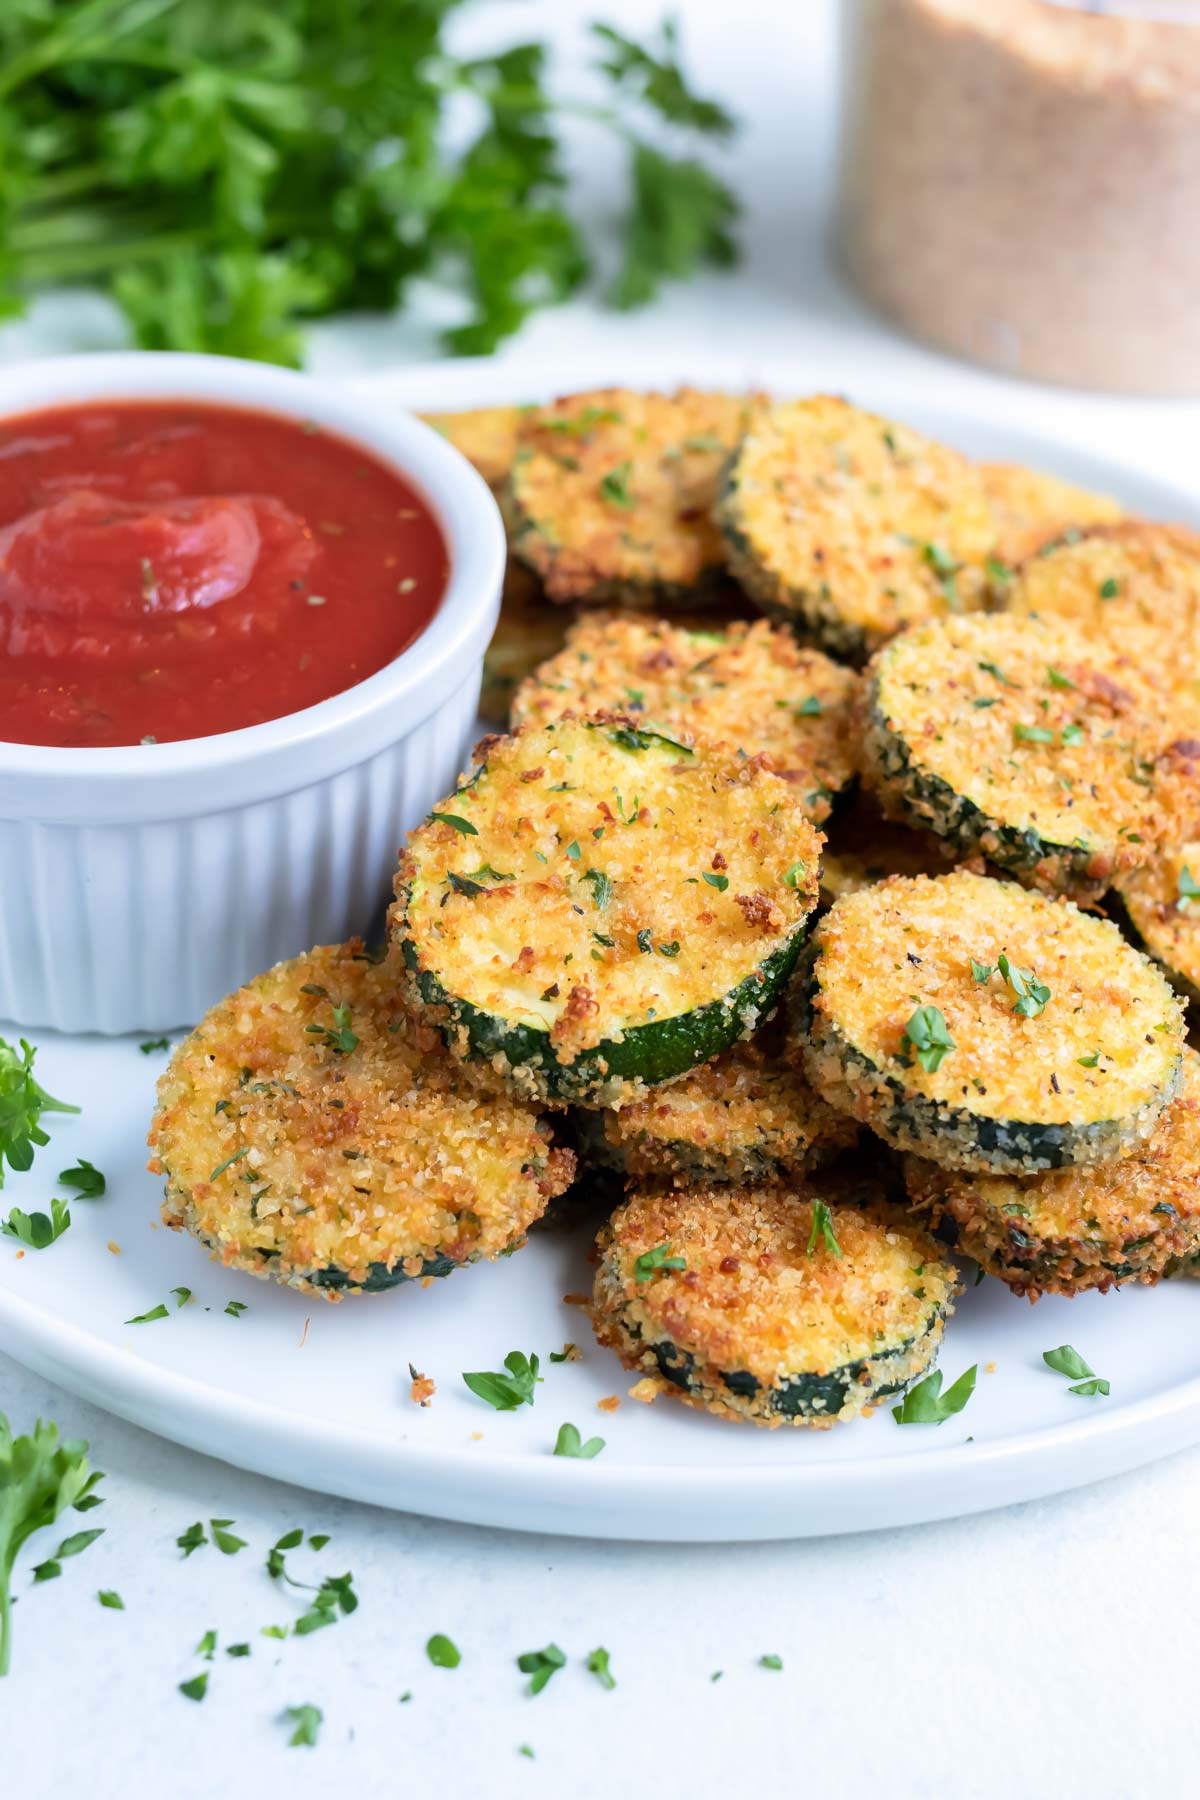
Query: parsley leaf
x=720, y=882
x=507, y=1392
x=191, y=1539
x=1032, y=734
x=40, y=1476
x=651, y=1262
x=463, y=826
x=822, y=1227
x=109, y=1597
x=443, y=1652
x=793, y=876
x=1031, y=994
x=541, y=1665
x=196, y=1688
x=928, y=1036
x=150, y=1046
x=85, y=1178
x=770, y=1662
x=597, y=1663
x=1067, y=1361
x=224, y=1539
x=615, y=486
x=570, y=1443
x=1187, y=886
x=22, y=1104
x=148, y=1318
x=982, y=971
x=602, y=887
x=307, y=1720
x=925, y=1404
x=35, y=1229
x=339, y=1038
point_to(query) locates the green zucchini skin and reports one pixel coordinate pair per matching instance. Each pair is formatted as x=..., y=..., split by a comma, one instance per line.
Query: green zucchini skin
x=809, y=1397
x=954, y=1135
x=645, y=1055
x=1119, y=913
x=380, y=1278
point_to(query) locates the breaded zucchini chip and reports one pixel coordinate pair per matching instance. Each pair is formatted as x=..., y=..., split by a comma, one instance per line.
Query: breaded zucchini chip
x=612, y=494
x=987, y=1027
x=486, y=436
x=852, y=527
x=1161, y=905
x=1068, y=1230
x=799, y=1303
x=311, y=1132
x=746, y=1116
x=1016, y=739
x=749, y=686
x=600, y=907
x=1030, y=509
x=864, y=846
x=1135, y=585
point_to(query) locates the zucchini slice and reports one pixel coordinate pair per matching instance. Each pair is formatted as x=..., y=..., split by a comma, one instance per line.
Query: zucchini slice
x=1016, y=739
x=1067, y=1052
x=612, y=494
x=310, y=1132
x=1160, y=905
x=851, y=526
x=864, y=847
x=1134, y=585
x=735, y=1299
x=1030, y=509
x=749, y=686
x=601, y=908
x=1067, y=1230
x=746, y=1116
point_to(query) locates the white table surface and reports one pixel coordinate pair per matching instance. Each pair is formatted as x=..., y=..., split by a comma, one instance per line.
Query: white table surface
x=1047, y=1649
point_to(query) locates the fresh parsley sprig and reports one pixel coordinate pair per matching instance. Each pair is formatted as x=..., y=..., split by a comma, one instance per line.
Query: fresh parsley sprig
x=1067, y=1361
x=926, y=1404
x=40, y=1477
x=927, y=1037
x=507, y=1391
x=23, y=1101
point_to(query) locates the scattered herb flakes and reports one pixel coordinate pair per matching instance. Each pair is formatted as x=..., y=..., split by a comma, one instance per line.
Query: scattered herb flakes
x=276, y=1561
x=182, y=1295
x=822, y=1228
x=1072, y=734
x=1110, y=589
x=568, y=1353
x=463, y=826
x=982, y=971
x=192, y=1538
x=570, y=1443
x=110, y=1598
x=196, y=1688
x=318, y=1540
x=615, y=486
x=443, y=1652
x=525, y=1750
x=224, y=1539
x=207, y=1647
x=810, y=708
x=602, y=887
x=273, y=1631
x=153, y=1045
x=1095, y=1384
x=925, y=1404
x=507, y=1392
x=37, y=1230
x=237, y=1649
x=770, y=1662
x=597, y=1663
x=235, y=1308
x=229, y=1161
x=716, y=1675
x=1088, y=1062
x=540, y=1665
x=653, y=1262
x=928, y=1037
x=720, y=882
x=1187, y=887
x=339, y=1038
x=85, y=1178
x=1032, y=734
x=1031, y=994
x=1067, y=1361
x=148, y=1318
x=991, y=668
x=307, y=1720
x=335, y=1595
x=793, y=876
x=1057, y=679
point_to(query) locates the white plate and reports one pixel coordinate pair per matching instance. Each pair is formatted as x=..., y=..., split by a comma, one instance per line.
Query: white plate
x=318, y=1394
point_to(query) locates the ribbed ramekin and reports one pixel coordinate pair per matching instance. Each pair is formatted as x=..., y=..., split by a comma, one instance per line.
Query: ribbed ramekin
x=139, y=884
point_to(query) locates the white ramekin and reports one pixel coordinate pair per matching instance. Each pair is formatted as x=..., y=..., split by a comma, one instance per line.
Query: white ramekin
x=138, y=885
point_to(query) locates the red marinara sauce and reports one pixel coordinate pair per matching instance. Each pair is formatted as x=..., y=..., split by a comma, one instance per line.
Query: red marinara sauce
x=172, y=569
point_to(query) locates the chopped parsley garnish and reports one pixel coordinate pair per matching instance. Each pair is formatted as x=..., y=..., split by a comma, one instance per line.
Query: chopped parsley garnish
x=540, y=1665
x=597, y=1663
x=74, y=1545
x=196, y=1688
x=229, y=1161
x=1187, y=887
x=191, y=1539
x=152, y=1045
x=85, y=1178
x=148, y=1318
x=1072, y=734
x=1088, y=1062
x=1067, y=1361
x=224, y=1539
x=629, y=737
x=993, y=669
x=645, y=942
x=1057, y=679
x=307, y=1720
x=461, y=825
x=570, y=1443
x=22, y=1103
x=1032, y=734
x=928, y=1037
x=671, y=949
x=793, y=876
x=462, y=884
x=1110, y=589
x=602, y=887
x=770, y=1662
x=822, y=1227
x=109, y=1597
x=651, y=1262
x=507, y=1392
x=568, y=1353
x=997, y=571
x=35, y=1229
x=181, y=1296
x=235, y=1308
x=927, y=1405
x=443, y=1652
x=573, y=850
x=615, y=486
x=720, y=882
x=588, y=418
x=207, y=1647
x=339, y=1038
x=810, y=708
x=982, y=971
x=1031, y=994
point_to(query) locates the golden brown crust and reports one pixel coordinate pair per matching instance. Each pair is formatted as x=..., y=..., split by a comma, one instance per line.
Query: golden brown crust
x=749, y=686
x=1068, y=1230
x=486, y=436
x=806, y=1337
x=1031, y=508
x=1164, y=911
x=290, y=1158
x=612, y=493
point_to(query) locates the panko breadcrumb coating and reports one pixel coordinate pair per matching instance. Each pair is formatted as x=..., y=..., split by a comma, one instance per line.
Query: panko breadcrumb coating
x=1031, y=508
x=486, y=436
x=1067, y=1055
x=734, y=1300
x=1162, y=905
x=612, y=494
x=1017, y=739
x=1068, y=1230
x=851, y=526
x=749, y=686
x=745, y=1116
x=1134, y=585
x=600, y=907
x=310, y=1131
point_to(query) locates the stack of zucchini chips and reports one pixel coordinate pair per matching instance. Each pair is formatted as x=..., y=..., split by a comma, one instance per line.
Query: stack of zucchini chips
x=828, y=910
